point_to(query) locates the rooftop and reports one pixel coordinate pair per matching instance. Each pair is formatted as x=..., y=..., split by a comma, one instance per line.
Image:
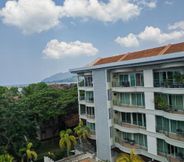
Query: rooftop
x=163, y=50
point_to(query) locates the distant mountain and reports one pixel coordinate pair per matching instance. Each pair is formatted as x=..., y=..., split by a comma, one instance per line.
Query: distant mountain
x=61, y=78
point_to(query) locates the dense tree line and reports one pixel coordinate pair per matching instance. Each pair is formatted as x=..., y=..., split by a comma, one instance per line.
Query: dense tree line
x=21, y=113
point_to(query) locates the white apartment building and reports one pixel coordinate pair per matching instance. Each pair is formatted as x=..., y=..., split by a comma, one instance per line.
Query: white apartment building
x=135, y=101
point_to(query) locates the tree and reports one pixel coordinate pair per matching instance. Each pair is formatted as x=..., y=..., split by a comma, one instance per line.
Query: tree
x=82, y=131
x=22, y=114
x=28, y=153
x=67, y=140
x=6, y=158
x=132, y=157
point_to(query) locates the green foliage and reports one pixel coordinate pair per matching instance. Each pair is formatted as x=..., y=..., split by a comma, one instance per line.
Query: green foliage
x=22, y=114
x=132, y=157
x=6, y=158
x=179, y=78
x=67, y=140
x=82, y=131
x=160, y=102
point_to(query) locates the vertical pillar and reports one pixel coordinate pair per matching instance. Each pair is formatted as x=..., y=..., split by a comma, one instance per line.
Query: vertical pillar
x=103, y=140
x=150, y=118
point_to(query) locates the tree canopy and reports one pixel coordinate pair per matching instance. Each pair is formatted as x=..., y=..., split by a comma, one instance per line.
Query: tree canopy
x=22, y=113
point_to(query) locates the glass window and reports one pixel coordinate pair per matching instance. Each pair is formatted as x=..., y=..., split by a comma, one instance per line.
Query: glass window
x=123, y=79
x=140, y=120
x=134, y=118
x=156, y=79
x=132, y=79
x=125, y=98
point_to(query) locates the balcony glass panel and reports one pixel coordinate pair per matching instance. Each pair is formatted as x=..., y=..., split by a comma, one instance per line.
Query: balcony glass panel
x=169, y=79
x=82, y=109
x=170, y=151
x=171, y=128
x=128, y=80
x=134, y=120
x=89, y=97
x=169, y=102
x=85, y=81
x=132, y=140
x=82, y=95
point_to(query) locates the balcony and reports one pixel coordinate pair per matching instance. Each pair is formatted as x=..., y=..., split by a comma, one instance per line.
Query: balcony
x=134, y=79
x=179, y=158
x=90, y=100
x=119, y=103
x=90, y=116
x=177, y=136
x=129, y=144
x=164, y=102
x=85, y=81
x=82, y=98
x=121, y=84
x=127, y=125
x=169, y=78
x=168, y=84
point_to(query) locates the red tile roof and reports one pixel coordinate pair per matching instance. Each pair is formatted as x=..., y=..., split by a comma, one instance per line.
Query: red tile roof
x=163, y=50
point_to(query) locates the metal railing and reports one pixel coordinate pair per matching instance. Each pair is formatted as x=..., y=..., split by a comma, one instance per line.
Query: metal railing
x=119, y=103
x=169, y=83
x=129, y=125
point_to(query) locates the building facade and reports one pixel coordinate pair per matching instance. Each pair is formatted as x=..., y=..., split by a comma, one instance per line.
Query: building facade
x=135, y=101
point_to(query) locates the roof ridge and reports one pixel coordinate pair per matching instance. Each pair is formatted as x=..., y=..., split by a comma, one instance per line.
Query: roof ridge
x=94, y=61
x=165, y=49
x=123, y=56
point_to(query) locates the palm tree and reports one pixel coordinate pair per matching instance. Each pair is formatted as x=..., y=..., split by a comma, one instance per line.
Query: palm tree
x=30, y=154
x=67, y=140
x=132, y=157
x=6, y=158
x=82, y=131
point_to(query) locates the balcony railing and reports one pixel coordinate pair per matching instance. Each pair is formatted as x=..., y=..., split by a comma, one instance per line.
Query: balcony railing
x=168, y=84
x=179, y=135
x=179, y=157
x=121, y=84
x=119, y=103
x=82, y=98
x=84, y=84
x=90, y=100
x=92, y=132
x=129, y=143
x=128, y=125
x=90, y=116
x=179, y=109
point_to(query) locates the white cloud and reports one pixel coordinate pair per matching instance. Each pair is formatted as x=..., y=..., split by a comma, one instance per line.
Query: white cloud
x=58, y=50
x=150, y=34
x=177, y=25
x=31, y=16
x=146, y=3
x=156, y=35
x=169, y=2
x=35, y=16
x=129, y=41
x=107, y=12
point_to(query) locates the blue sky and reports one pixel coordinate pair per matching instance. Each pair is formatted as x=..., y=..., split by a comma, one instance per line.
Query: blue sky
x=41, y=38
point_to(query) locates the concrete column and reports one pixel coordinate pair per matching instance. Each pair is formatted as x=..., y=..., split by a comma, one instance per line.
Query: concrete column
x=150, y=118
x=103, y=140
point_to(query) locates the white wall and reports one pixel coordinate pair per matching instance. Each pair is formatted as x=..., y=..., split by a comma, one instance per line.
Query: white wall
x=150, y=118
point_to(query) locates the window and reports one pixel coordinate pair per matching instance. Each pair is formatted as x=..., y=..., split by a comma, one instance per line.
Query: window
x=126, y=117
x=88, y=81
x=125, y=98
x=123, y=80
x=132, y=80
x=82, y=109
x=138, y=99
